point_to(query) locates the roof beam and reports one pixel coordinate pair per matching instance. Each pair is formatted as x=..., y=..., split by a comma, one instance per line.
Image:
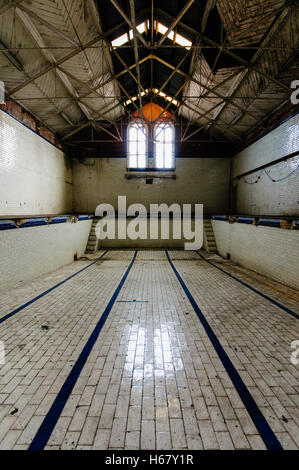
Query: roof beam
x=11, y=57
x=283, y=15
x=227, y=131
x=132, y=10
x=127, y=19
x=88, y=123
x=98, y=87
x=52, y=66
x=167, y=80
x=128, y=69
x=186, y=75
x=10, y=5
x=226, y=50
x=107, y=53
x=19, y=66
x=61, y=61
x=62, y=74
x=175, y=69
x=231, y=93
x=193, y=133
x=36, y=37
x=70, y=75
x=244, y=62
x=209, y=6
x=175, y=21
x=48, y=25
x=244, y=32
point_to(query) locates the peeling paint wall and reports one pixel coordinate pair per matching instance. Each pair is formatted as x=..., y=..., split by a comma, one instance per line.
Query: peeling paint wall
x=199, y=180
x=35, y=176
x=256, y=193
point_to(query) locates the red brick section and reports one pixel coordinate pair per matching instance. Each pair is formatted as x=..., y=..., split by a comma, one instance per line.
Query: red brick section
x=18, y=112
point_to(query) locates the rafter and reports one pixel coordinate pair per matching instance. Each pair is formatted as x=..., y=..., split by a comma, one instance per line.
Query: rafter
x=209, y=6
x=245, y=63
x=82, y=126
x=68, y=57
x=52, y=66
x=133, y=19
x=228, y=131
x=167, y=80
x=281, y=18
x=62, y=60
x=219, y=95
x=20, y=67
x=48, y=25
x=10, y=5
x=36, y=37
x=107, y=53
x=215, y=45
x=12, y=59
x=193, y=133
x=98, y=87
x=231, y=93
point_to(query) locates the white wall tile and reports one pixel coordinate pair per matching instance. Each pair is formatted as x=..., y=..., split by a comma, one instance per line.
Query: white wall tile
x=29, y=252
x=35, y=176
x=271, y=251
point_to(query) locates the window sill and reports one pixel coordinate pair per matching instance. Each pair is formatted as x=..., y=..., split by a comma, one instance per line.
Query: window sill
x=145, y=174
x=150, y=170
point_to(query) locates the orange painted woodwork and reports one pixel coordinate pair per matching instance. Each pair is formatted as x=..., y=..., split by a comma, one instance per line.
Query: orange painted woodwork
x=151, y=112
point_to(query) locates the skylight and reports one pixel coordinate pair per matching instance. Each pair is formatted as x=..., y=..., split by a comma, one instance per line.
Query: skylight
x=164, y=95
x=124, y=38
x=157, y=92
x=177, y=38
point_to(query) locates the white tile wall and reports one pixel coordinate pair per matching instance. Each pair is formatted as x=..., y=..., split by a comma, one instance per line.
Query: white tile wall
x=266, y=197
x=270, y=198
x=271, y=251
x=35, y=176
x=29, y=252
x=282, y=141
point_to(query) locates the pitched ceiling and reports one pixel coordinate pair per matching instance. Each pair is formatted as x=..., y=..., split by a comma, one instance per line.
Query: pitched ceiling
x=58, y=61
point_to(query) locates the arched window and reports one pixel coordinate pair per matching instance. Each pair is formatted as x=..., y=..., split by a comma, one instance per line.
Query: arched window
x=137, y=145
x=164, y=145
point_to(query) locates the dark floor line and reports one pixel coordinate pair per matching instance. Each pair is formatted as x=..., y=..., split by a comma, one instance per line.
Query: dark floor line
x=43, y=434
x=17, y=310
x=260, y=422
x=286, y=309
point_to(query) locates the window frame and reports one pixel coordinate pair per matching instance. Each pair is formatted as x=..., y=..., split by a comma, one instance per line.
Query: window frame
x=146, y=131
x=170, y=125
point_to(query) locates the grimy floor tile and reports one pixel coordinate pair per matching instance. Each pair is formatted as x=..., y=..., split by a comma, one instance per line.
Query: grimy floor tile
x=153, y=379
